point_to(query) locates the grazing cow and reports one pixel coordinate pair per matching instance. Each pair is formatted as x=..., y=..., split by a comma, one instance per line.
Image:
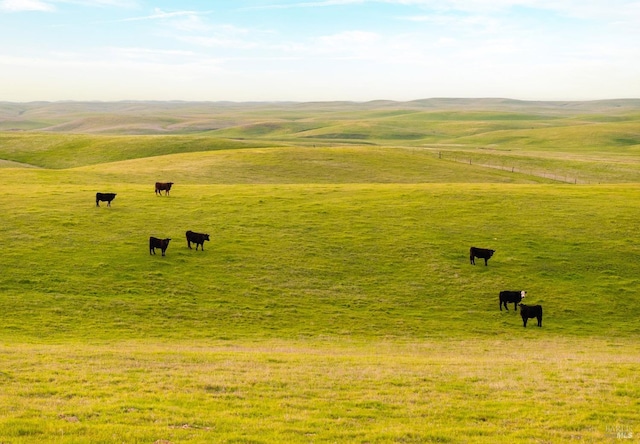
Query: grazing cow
x=105, y=197
x=154, y=243
x=511, y=296
x=531, y=311
x=482, y=253
x=196, y=238
x=163, y=186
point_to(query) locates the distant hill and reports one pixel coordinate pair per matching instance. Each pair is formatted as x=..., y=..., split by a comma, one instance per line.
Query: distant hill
x=148, y=117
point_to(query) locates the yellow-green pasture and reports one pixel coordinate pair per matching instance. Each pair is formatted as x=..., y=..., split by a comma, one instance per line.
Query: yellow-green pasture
x=334, y=303
x=506, y=389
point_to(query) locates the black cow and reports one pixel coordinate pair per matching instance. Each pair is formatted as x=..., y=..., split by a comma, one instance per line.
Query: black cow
x=482, y=253
x=531, y=311
x=163, y=186
x=511, y=296
x=154, y=243
x=196, y=238
x=105, y=197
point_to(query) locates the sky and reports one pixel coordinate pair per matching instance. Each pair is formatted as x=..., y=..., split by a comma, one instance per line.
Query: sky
x=318, y=50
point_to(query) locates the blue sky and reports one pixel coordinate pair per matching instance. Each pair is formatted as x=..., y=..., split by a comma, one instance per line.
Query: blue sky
x=316, y=50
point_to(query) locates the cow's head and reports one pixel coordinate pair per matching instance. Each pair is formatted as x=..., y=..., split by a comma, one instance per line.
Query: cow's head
x=523, y=294
x=206, y=237
x=491, y=252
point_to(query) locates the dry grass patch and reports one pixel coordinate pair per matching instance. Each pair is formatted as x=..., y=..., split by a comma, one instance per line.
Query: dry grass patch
x=489, y=391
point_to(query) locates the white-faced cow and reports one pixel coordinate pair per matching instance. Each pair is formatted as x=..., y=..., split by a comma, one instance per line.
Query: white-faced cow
x=196, y=238
x=105, y=197
x=481, y=253
x=163, y=186
x=531, y=311
x=154, y=243
x=511, y=296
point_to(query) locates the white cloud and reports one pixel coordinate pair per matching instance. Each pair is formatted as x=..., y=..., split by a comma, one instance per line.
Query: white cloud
x=223, y=36
x=347, y=40
x=25, y=5
x=148, y=54
x=103, y=3
x=218, y=41
x=189, y=21
x=159, y=14
x=314, y=4
x=50, y=5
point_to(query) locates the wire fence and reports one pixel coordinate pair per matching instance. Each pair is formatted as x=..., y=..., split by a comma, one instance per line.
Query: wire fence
x=528, y=170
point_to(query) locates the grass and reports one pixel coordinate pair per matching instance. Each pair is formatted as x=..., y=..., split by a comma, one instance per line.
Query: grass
x=322, y=165
x=59, y=151
x=556, y=141
x=491, y=391
x=372, y=260
x=334, y=303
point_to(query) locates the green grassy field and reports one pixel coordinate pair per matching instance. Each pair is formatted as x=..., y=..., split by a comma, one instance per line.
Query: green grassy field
x=335, y=301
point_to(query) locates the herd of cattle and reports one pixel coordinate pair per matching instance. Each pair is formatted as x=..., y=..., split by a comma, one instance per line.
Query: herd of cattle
x=515, y=297
x=526, y=311
x=154, y=242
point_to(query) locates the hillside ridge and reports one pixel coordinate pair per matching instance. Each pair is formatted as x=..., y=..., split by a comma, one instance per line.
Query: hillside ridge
x=177, y=117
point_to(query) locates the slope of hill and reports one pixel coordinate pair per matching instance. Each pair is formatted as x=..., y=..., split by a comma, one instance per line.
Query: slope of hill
x=578, y=142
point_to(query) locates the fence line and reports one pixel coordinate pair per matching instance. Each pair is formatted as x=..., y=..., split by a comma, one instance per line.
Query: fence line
x=514, y=169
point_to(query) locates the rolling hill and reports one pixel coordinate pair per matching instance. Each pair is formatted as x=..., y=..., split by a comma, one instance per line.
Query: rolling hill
x=335, y=301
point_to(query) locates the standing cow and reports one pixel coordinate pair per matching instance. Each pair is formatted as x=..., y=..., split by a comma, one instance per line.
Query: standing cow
x=154, y=243
x=196, y=238
x=163, y=186
x=531, y=311
x=105, y=197
x=511, y=296
x=481, y=253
